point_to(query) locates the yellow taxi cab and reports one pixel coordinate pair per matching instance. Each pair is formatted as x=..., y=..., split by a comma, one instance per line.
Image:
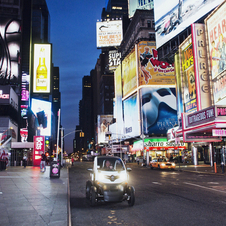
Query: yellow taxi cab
x=161, y=163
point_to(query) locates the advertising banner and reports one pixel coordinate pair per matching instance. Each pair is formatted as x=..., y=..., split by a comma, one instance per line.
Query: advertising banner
x=114, y=59
x=109, y=33
x=4, y=94
x=201, y=66
x=103, y=122
x=25, y=87
x=151, y=70
x=179, y=98
x=158, y=109
x=39, y=149
x=177, y=15
x=10, y=36
x=42, y=68
x=131, y=116
x=134, y=5
x=216, y=38
x=42, y=110
x=216, y=33
x=188, y=75
x=118, y=100
x=129, y=78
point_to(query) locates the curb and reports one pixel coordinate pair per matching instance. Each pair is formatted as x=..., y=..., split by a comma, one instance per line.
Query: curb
x=68, y=201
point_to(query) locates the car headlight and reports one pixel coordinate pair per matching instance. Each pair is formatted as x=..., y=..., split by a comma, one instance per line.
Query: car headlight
x=173, y=164
x=123, y=176
x=163, y=164
x=100, y=177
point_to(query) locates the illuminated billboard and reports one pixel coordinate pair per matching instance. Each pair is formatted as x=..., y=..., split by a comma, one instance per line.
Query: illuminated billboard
x=109, y=33
x=42, y=68
x=158, y=109
x=118, y=100
x=188, y=75
x=42, y=109
x=134, y=5
x=114, y=59
x=216, y=38
x=131, y=116
x=151, y=70
x=177, y=15
x=39, y=149
x=103, y=122
x=129, y=78
x=10, y=36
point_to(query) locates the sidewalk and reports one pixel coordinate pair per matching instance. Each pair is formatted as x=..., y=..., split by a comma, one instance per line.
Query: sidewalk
x=29, y=197
x=201, y=169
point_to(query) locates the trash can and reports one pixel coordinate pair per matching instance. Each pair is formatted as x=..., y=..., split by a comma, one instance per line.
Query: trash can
x=54, y=169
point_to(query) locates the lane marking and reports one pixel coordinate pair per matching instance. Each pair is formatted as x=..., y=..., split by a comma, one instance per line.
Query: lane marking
x=157, y=183
x=213, y=183
x=212, y=189
x=0, y=193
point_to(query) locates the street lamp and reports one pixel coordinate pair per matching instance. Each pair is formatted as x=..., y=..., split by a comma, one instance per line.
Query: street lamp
x=62, y=141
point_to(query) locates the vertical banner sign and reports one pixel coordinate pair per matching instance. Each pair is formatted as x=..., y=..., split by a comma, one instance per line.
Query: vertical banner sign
x=201, y=66
x=42, y=68
x=39, y=148
x=216, y=38
x=188, y=75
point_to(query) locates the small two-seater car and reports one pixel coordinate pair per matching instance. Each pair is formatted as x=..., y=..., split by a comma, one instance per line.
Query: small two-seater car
x=109, y=181
x=161, y=163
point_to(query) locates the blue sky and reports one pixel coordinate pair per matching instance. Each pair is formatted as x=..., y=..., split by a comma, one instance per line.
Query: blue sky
x=73, y=38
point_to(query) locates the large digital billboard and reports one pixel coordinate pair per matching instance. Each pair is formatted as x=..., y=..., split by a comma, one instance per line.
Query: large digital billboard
x=131, y=116
x=177, y=15
x=129, y=78
x=188, y=75
x=158, y=109
x=109, y=33
x=43, y=109
x=42, y=68
x=140, y=4
x=151, y=70
x=10, y=36
x=103, y=122
x=216, y=38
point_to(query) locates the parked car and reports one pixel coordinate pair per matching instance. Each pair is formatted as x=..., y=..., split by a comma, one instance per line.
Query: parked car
x=109, y=181
x=161, y=163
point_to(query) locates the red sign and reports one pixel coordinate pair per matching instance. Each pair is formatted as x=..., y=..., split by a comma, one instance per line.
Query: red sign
x=39, y=149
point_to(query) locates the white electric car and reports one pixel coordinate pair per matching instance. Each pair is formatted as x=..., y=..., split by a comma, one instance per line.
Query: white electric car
x=109, y=181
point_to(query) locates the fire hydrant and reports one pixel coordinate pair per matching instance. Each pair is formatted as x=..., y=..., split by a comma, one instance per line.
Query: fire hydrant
x=222, y=166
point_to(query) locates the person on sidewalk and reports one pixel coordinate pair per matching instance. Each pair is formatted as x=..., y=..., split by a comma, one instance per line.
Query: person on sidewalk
x=43, y=163
x=25, y=161
x=72, y=161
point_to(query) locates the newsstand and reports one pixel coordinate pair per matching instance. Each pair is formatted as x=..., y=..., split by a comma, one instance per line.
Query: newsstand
x=54, y=169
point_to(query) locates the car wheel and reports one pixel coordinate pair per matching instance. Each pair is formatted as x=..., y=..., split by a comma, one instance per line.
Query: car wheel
x=92, y=196
x=158, y=166
x=88, y=186
x=131, y=194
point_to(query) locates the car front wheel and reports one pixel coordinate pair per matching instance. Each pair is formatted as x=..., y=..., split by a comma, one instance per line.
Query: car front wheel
x=88, y=186
x=92, y=196
x=131, y=194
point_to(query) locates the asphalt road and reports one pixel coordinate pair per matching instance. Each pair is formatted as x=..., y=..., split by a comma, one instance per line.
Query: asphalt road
x=162, y=198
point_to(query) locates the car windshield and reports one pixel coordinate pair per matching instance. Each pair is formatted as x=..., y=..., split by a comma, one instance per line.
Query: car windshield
x=163, y=160
x=110, y=164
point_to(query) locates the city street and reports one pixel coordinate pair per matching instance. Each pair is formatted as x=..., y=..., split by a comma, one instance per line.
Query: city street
x=162, y=198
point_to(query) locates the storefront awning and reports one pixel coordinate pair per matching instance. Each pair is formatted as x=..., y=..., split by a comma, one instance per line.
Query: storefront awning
x=22, y=145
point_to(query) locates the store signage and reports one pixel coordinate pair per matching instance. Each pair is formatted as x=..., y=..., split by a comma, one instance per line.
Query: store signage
x=114, y=59
x=201, y=117
x=39, y=149
x=191, y=137
x=219, y=132
x=201, y=66
x=162, y=144
x=3, y=96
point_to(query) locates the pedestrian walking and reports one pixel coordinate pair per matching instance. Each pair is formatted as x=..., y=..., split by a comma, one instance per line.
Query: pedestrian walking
x=72, y=161
x=25, y=161
x=43, y=163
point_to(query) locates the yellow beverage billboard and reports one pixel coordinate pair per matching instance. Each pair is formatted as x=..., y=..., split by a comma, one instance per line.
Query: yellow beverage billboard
x=42, y=68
